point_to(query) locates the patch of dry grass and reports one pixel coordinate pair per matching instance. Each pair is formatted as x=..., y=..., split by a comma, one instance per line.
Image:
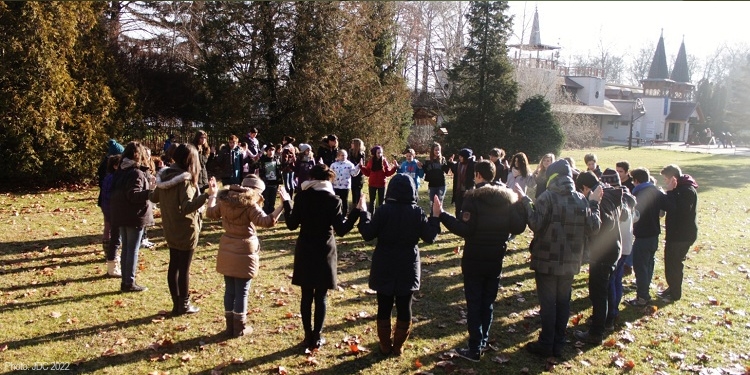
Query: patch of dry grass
x=56, y=305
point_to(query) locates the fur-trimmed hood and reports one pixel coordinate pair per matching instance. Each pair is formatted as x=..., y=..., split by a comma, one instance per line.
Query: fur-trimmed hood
x=235, y=198
x=171, y=177
x=491, y=195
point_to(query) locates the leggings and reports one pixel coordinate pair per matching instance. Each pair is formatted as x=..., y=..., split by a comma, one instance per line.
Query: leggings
x=178, y=274
x=308, y=295
x=403, y=307
x=380, y=191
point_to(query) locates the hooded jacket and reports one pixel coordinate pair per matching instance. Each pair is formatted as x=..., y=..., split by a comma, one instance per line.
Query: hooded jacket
x=650, y=200
x=179, y=201
x=561, y=219
x=129, y=196
x=681, y=204
x=490, y=214
x=238, y=247
x=605, y=247
x=398, y=225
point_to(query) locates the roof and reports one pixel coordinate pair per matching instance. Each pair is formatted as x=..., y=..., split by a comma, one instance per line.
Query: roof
x=658, y=69
x=571, y=83
x=606, y=110
x=535, y=39
x=681, y=111
x=680, y=72
x=624, y=107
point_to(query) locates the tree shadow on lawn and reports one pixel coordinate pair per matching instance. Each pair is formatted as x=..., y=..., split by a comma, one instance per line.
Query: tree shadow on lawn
x=729, y=176
x=21, y=247
x=42, y=266
x=56, y=301
x=63, y=282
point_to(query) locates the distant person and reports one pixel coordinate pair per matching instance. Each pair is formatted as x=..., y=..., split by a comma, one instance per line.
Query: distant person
x=230, y=161
x=435, y=168
x=591, y=164
x=270, y=173
x=411, y=167
x=377, y=171
x=540, y=174
x=463, y=177
x=680, y=226
x=328, y=150
x=345, y=171
x=357, y=157
x=200, y=141
x=520, y=173
x=497, y=156
x=170, y=139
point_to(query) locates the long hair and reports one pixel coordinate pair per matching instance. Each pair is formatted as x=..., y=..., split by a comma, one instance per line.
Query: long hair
x=202, y=149
x=358, y=147
x=523, y=164
x=136, y=152
x=321, y=172
x=541, y=167
x=432, y=151
x=186, y=158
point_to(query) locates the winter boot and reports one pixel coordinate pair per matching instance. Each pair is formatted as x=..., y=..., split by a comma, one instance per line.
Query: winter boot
x=400, y=334
x=384, y=336
x=229, y=317
x=240, y=327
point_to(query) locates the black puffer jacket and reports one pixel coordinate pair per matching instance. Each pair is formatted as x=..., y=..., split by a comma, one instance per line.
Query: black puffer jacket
x=490, y=214
x=398, y=225
x=605, y=246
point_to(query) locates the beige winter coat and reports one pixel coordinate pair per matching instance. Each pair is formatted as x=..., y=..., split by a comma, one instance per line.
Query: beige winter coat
x=238, y=246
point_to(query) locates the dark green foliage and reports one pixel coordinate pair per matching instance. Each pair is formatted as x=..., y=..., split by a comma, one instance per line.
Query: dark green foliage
x=54, y=101
x=536, y=131
x=483, y=98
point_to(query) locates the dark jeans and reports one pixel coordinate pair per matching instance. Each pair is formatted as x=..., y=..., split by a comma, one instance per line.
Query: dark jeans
x=235, y=294
x=433, y=191
x=269, y=198
x=599, y=274
x=674, y=256
x=554, y=293
x=458, y=201
x=403, y=307
x=356, y=192
x=644, y=250
x=178, y=273
x=380, y=194
x=480, y=292
x=615, y=290
x=344, y=195
x=131, y=244
x=308, y=295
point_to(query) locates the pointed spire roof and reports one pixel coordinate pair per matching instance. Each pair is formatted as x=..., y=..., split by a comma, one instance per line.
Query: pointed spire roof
x=535, y=39
x=658, y=68
x=680, y=71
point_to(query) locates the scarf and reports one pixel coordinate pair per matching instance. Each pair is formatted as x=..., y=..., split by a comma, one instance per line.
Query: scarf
x=642, y=186
x=318, y=185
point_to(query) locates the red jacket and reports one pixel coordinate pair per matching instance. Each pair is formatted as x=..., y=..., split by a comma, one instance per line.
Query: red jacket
x=377, y=178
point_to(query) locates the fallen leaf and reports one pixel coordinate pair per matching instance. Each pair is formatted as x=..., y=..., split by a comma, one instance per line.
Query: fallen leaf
x=282, y=370
x=120, y=303
x=501, y=359
x=676, y=356
x=609, y=343
x=3, y=347
x=627, y=337
x=55, y=314
x=418, y=363
x=186, y=358
x=121, y=341
x=158, y=372
x=109, y=352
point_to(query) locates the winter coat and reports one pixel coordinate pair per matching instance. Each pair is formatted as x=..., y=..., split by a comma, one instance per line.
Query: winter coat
x=203, y=174
x=501, y=172
x=490, y=214
x=344, y=170
x=317, y=210
x=561, y=219
x=525, y=182
x=650, y=201
x=230, y=163
x=239, y=246
x=412, y=169
x=468, y=182
x=629, y=216
x=179, y=201
x=327, y=154
x=681, y=204
x=398, y=225
x=106, y=196
x=129, y=206
x=376, y=179
x=605, y=246
x=434, y=172
x=540, y=180
x=302, y=170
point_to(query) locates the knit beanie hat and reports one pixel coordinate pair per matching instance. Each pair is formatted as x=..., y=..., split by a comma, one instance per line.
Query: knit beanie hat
x=611, y=177
x=114, y=148
x=304, y=147
x=375, y=149
x=254, y=182
x=465, y=153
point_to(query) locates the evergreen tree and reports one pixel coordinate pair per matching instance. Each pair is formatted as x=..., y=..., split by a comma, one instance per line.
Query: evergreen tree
x=483, y=98
x=54, y=101
x=738, y=101
x=536, y=131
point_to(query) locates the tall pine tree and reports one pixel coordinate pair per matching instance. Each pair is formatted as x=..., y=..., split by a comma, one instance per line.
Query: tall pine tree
x=536, y=130
x=483, y=98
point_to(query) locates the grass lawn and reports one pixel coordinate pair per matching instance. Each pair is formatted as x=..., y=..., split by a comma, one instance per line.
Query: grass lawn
x=57, y=307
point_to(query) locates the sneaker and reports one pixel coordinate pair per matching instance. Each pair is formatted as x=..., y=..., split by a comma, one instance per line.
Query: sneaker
x=664, y=293
x=637, y=302
x=487, y=348
x=539, y=349
x=466, y=353
x=133, y=288
x=147, y=244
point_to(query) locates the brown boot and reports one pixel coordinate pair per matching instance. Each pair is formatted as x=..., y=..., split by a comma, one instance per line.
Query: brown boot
x=229, y=317
x=400, y=334
x=384, y=336
x=240, y=327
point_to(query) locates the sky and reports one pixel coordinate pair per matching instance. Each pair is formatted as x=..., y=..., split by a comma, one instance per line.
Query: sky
x=628, y=26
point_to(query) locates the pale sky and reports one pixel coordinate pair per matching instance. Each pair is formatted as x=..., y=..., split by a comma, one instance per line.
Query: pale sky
x=627, y=26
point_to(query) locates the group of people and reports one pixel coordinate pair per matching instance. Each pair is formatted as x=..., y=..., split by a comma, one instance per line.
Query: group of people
x=608, y=219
